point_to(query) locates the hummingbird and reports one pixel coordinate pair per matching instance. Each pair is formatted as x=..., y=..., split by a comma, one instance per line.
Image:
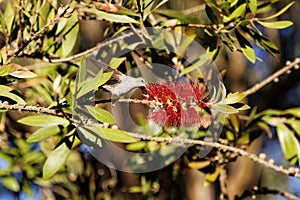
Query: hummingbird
x=119, y=83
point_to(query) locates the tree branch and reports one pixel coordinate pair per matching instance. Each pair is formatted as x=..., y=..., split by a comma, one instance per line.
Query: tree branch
x=265, y=191
x=5, y=106
x=274, y=77
x=261, y=159
x=257, y=159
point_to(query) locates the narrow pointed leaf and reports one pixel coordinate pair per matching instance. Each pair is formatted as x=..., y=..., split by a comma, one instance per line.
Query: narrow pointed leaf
x=4, y=71
x=55, y=160
x=43, y=120
x=23, y=73
x=11, y=183
x=43, y=133
x=114, y=135
x=114, y=17
x=14, y=97
x=101, y=114
x=288, y=142
x=246, y=47
x=199, y=165
x=239, y=12
x=253, y=6
x=4, y=89
x=223, y=108
x=279, y=12
x=71, y=34
x=276, y=24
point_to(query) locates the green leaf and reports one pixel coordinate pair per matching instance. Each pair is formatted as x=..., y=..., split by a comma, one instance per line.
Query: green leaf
x=265, y=128
x=4, y=89
x=233, y=98
x=22, y=73
x=71, y=33
x=4, y=157
x=61, y=25
x=136, y=146
x=14, y=97
x=288, y=142
x=43, y=13
x=88, y=137
x=266, y=44
x=203, y=59
x=168, y=151
x=33, y=157
x=43, y=120
x=104, y=78
x=23, y=146
x=26, y=187
x=114, y=135
x=253, y=6
x=135, y=189
x=212, y=177
x=199, y=164
x=184, y=44
x=211, y=14
x=293, y=111
x=245, y=138
x=116, y=62
x=9, y=15
x=233, y=2
x=81, y=75
x=101, y=114
x=44, y=133
x=239, y=12
x=148, y=10
x=243, y=107
x=126, y=11
x=246, y=47
x=114, y=17
x=274, y=121
x=279, y=12
x=152, y=146
x=276, y=24
x=249, y=53
x=3, y=50
x=230, y=136
x=295, y=124
x=11, y=183
x=4, y=71
x=223, y=108
x=235, y=122
x=184, y=18
x=55, y=160
x=89, y=85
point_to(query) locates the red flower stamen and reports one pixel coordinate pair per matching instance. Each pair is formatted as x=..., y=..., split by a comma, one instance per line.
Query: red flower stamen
x=181, y=102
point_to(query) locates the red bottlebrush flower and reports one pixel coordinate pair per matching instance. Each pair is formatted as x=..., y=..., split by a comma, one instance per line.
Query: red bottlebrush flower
x=179, y=103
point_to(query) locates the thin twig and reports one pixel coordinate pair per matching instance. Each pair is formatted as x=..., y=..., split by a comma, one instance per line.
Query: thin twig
x=265, y=191
x=177, y=140
x=267, y=163
x=141, y=101
x=274, y=77
x=61, y=12
x=5, y=106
